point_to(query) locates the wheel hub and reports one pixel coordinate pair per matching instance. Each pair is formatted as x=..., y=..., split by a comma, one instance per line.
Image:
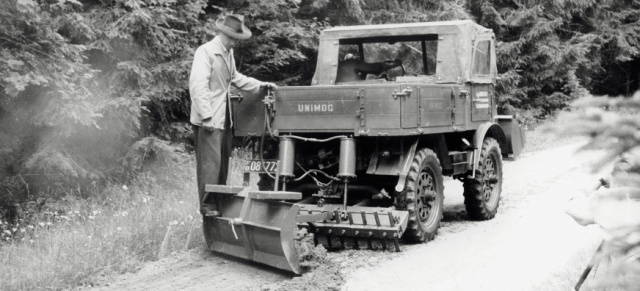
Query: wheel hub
x=490, y=179
x=425, y=196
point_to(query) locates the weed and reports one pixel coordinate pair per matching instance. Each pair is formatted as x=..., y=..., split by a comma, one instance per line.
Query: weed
x=68, y=242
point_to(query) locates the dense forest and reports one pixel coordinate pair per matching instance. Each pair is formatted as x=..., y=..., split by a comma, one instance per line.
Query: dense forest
x=91, y=89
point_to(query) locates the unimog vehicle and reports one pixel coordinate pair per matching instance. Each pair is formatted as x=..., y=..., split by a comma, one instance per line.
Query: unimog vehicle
x=360, y=155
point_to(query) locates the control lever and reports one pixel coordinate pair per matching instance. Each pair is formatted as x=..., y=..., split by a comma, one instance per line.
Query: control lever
x=269, y=101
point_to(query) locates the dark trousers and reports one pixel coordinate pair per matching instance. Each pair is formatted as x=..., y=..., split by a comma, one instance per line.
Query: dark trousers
x=213, y=149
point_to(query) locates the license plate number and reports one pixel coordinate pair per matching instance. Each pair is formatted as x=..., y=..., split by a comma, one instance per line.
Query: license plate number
x=257, y=166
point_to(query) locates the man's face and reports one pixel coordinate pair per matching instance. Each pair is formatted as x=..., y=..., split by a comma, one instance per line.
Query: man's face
x=228, y=41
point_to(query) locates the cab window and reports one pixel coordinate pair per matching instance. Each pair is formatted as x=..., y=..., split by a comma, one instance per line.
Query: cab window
x=482, y=58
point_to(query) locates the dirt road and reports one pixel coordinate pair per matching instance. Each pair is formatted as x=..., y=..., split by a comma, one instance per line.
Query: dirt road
x=530, y=245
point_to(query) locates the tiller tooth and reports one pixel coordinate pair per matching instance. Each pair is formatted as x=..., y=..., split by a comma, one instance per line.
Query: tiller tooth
x=330, y=247
x=359, y=222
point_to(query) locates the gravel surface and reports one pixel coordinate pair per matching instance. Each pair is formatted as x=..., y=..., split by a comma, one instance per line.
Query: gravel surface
x=530, y=245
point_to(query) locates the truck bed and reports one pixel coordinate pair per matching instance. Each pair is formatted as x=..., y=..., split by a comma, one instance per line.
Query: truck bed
x=358, y=109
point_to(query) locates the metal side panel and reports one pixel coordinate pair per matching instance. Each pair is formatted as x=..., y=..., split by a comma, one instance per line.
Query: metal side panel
x=270, y=228
x=435, y=105
x=248, y=114
x=382, y=109
x=223, y=233
x=317, y=108
x=514, y=134
x=481, y=102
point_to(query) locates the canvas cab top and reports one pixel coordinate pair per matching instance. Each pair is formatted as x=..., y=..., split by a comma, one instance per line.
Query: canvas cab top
x=431, y=52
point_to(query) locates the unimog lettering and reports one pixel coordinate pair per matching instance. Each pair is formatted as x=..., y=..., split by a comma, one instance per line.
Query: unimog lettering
x=315, y=107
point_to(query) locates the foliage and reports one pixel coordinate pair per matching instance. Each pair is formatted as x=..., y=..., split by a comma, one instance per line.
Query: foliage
x=552, y=52
x=72, y=242
x=284, y=42
x=83, y=81
x=612, y=126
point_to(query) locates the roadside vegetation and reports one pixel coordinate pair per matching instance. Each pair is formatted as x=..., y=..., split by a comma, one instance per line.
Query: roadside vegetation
x=70, y=242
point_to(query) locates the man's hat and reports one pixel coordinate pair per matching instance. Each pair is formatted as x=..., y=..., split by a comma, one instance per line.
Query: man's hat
x=233, y=26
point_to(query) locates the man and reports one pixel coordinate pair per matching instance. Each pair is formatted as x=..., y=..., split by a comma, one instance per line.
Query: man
x=212, y=73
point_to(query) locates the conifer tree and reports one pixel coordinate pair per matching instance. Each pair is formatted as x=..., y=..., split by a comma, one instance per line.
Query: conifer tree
x=612, y=126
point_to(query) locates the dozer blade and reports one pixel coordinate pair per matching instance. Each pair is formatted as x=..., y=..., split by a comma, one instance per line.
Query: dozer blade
x=255, y=226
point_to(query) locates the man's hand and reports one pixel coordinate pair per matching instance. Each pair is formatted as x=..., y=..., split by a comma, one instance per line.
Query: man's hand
x=207, y=124
x=390, y=64
x=268, y=85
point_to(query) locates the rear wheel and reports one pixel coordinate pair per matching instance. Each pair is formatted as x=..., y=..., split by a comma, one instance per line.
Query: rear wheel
x=482, y=193
x=423, y=197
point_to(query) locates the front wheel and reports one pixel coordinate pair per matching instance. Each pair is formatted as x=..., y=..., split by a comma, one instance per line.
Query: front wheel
x=482, y=193
x=423, y=197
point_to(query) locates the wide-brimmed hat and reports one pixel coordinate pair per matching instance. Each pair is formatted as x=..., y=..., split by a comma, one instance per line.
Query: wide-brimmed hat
x=233, y=26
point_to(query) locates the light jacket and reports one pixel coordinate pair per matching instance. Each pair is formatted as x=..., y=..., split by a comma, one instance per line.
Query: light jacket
x=212, y=73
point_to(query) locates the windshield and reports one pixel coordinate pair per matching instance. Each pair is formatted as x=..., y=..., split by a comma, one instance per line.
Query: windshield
x=388, y=58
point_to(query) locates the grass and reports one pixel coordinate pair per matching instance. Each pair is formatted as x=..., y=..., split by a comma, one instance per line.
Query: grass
x=74, y=240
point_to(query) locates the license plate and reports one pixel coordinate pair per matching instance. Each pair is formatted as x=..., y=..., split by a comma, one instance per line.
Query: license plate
x=257, y=166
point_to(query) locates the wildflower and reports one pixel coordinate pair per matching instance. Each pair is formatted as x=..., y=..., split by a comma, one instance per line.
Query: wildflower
x=95, y=212
x=7, y=232
x=190, y=217
x=124, y=213
x=118, y=228
x=144, y=199
x=49, y=223
x=22, y=230
x=181, y=202
x=30, y=226
x=14, y=229
x=124, y=187
x=31, y=241
x=91, y=217
x=41, y=224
